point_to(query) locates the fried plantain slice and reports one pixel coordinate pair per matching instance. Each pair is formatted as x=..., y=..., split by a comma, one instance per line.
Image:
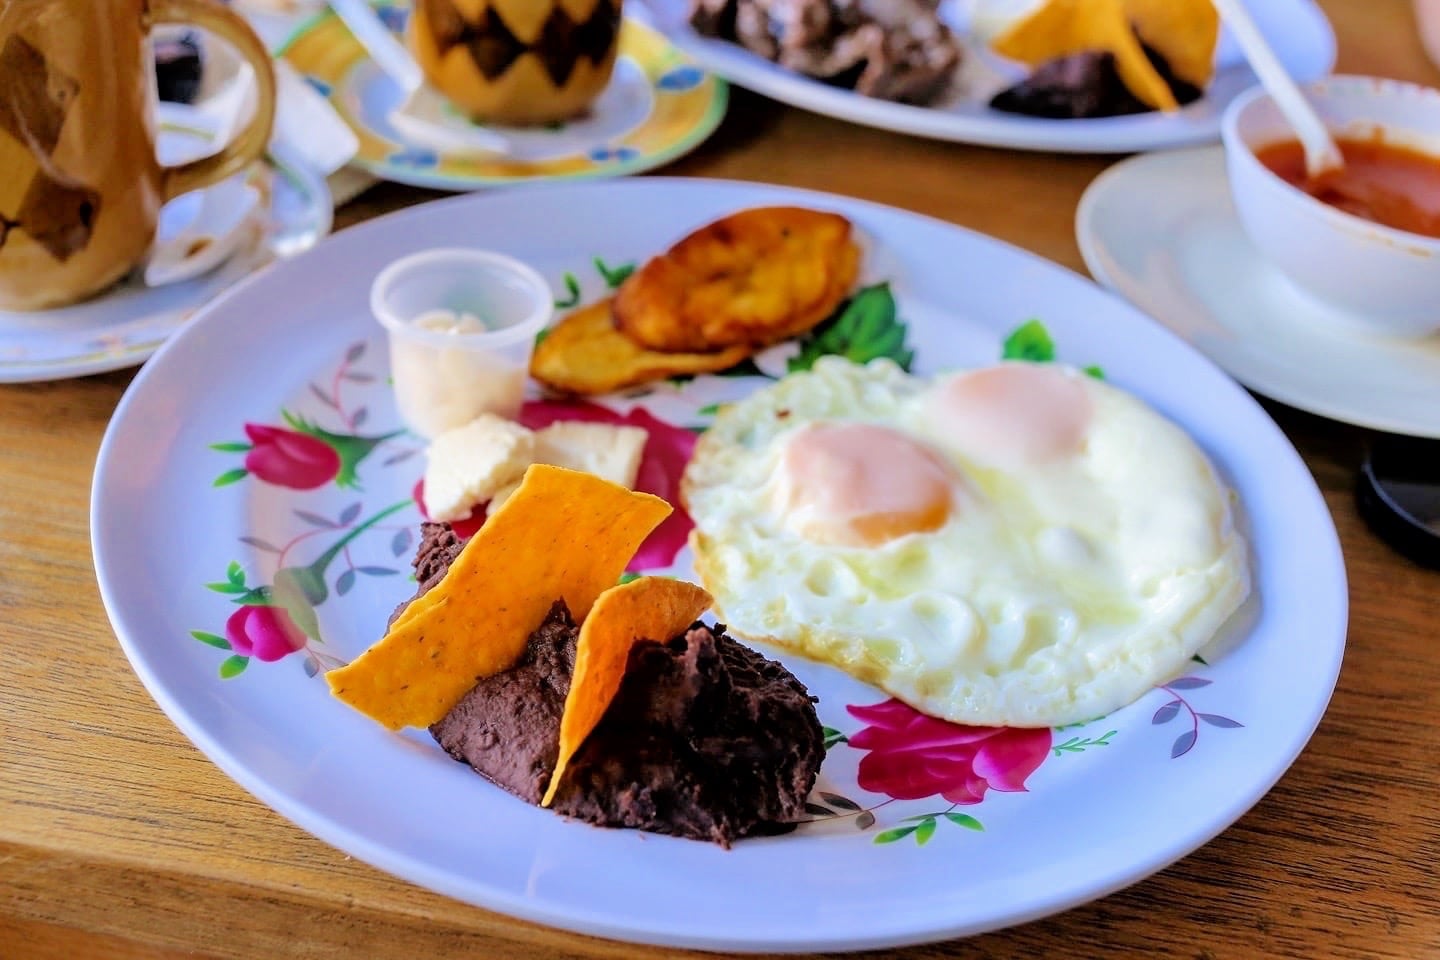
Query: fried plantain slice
x=750, y=279
x=585, y=354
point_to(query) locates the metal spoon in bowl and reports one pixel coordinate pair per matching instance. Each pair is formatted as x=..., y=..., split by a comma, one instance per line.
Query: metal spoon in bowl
x=1322, y=155
x=418, y=118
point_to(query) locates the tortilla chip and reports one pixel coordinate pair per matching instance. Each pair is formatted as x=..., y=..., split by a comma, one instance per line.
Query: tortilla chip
x=1184, y=32
x=650, y=608
x=563, y=534
x=585, y=354
x=1060, y=28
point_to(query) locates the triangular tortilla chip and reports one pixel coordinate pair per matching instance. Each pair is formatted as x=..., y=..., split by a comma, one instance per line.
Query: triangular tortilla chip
x=1184, y=32
x=650, y=608
x=1060, y=28
x=562, y=534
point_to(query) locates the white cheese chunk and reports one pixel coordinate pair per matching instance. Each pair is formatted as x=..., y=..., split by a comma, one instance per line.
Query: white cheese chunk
x=468, y=464
x=610, y=452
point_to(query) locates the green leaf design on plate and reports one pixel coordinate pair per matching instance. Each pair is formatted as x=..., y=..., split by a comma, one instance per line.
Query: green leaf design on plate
x=571, y=299
x=1080, y=744
x=229, y=447
x=231, y=476
x=614, y=276
x=1029, y=341
x=233, y=666
x=924, y=830
x=964, y=820
x=210, y=638
x=897, y=833
x=863, y=329
x=1094, y=371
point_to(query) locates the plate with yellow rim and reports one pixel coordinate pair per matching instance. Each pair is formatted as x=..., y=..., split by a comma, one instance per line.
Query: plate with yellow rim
x=659, y=106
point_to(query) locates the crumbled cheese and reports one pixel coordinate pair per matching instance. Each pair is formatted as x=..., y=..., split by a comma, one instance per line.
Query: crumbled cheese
x=468, y=464
x=610, y=452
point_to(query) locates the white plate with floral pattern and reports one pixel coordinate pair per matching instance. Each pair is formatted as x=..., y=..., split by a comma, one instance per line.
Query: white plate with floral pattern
x=214, y=482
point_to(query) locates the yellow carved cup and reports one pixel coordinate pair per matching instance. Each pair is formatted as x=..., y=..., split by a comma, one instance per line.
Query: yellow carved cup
x=517, y=61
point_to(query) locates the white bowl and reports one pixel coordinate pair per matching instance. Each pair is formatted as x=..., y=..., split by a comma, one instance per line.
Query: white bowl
x=1383, y=280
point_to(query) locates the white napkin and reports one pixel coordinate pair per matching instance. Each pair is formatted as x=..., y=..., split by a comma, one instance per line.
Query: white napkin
x=305, y=122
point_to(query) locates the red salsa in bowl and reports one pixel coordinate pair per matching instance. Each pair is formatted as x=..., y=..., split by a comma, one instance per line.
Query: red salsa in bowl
x=1386, y=183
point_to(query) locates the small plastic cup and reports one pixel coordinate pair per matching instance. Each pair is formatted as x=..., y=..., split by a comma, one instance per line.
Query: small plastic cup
x=462, y=326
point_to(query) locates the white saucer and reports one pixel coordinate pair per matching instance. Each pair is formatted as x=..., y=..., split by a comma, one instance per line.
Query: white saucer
x=427, y=119
x=276, y=209
x=1160, y=230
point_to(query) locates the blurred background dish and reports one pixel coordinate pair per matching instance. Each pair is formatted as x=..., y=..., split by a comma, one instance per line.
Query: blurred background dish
x=659, y=105
x=1161, y=230
x=1365, y=238
x=1298, y=29
x=127, y=323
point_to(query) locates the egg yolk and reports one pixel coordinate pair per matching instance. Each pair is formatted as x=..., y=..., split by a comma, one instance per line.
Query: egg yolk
x=858, y=484
x=1012, y=416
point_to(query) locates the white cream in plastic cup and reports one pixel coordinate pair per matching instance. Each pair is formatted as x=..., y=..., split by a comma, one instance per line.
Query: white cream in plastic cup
x=462, y=325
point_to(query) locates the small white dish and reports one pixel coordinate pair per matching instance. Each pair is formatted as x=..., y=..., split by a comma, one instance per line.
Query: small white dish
x=1161, y=230
x=461, y=325
x=1387, y=279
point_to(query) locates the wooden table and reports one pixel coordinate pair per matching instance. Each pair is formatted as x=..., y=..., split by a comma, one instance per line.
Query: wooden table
x=119, y=839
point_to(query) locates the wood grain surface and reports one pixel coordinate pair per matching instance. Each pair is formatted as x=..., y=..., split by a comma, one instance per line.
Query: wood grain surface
x=118, y=839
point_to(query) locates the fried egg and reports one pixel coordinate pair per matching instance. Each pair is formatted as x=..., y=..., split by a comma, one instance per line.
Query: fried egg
x=1016, y=545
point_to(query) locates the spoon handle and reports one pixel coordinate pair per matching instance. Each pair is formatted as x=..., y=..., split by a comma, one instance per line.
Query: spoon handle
x=1321, y=152
x=387, y=52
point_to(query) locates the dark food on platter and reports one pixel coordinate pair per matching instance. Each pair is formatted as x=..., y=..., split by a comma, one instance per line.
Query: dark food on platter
x=1103, y=58
x=1082, y=86
x=888, y=49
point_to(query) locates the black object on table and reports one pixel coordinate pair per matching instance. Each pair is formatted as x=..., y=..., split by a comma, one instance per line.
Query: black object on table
x=1398, y=493
x=178, y=68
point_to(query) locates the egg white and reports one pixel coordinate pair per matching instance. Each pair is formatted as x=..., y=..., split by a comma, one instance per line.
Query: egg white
x=1053, y=594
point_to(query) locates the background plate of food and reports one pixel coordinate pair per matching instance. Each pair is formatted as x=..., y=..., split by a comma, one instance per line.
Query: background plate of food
x=1099, y=76
x=657, y=106
x=1080, y=608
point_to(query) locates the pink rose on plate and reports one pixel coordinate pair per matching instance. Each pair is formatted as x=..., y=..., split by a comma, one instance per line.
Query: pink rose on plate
x=266, y=633
x=289, y=458
x=913, y=756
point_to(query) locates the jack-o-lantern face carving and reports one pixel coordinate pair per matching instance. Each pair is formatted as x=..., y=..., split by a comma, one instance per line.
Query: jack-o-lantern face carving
x=517, y=61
